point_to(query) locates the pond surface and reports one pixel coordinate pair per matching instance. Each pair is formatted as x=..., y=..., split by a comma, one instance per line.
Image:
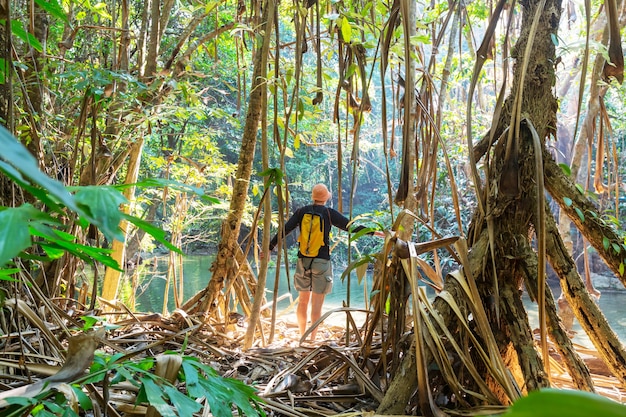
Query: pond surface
x=196, y=276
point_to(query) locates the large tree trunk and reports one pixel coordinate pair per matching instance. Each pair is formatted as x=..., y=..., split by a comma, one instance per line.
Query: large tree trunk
x=225, y=266
x=500, y=240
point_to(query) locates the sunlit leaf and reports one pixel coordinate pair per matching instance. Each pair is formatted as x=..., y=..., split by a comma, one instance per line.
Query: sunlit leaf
x=296, y=142
x=571, y=403
x=346, y=30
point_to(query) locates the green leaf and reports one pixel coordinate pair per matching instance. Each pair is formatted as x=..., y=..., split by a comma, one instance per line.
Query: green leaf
x=17, y=156
x=296, y=141
x=155, y=232
x=570, y=403
x=351, y=70
x=191, y=379
x=346, y=30
x=14, y=234
x=185, y=406
x=154, y=396
x=18, y=30
x=616, y=248
x=555, y=40
x=103, y=205
x=90, y=321
x=83, y=399
x=580, y=189
x=6, y=274
x=54, y=9
x=176, y=185
x=300, y=109
x=581, y=216
x=621, y=269
x=567, y=201
x=605, y=242
x=3, y=70
x=275, y=176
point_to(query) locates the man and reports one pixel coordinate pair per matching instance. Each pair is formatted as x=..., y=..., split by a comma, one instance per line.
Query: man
x=314, y=275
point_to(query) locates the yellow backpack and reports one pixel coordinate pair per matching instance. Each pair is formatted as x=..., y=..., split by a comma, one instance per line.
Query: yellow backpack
x=311, y=237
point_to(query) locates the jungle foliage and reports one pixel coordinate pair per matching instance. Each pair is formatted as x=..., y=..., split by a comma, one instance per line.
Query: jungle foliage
x=152, y=125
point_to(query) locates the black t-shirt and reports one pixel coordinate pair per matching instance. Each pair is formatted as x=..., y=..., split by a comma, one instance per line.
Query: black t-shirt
x=331, y=218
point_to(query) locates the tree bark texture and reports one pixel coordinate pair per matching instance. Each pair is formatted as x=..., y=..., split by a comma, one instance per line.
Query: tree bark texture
x=500, y=241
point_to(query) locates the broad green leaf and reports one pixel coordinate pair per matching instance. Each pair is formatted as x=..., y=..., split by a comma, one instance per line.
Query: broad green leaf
x=191, y=380
x=83, y=399
x=54, y=9
x=275, y=175
x=605, y=242
x=18, y=30
x=15, y=154
x=5, y=274
x=185, y=406
x=104, y=208
x=570, y=403
x=154, y=397
x=567, y=201
x=14, y=234
x=621, y=268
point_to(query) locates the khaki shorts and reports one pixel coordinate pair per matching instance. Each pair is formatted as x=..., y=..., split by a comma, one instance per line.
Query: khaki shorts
x=314, y=274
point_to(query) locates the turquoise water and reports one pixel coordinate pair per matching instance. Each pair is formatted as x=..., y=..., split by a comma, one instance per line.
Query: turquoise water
x=197, y=275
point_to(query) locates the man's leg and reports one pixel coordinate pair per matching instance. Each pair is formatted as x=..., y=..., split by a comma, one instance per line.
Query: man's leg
x=302, y=309
x=317, y=300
